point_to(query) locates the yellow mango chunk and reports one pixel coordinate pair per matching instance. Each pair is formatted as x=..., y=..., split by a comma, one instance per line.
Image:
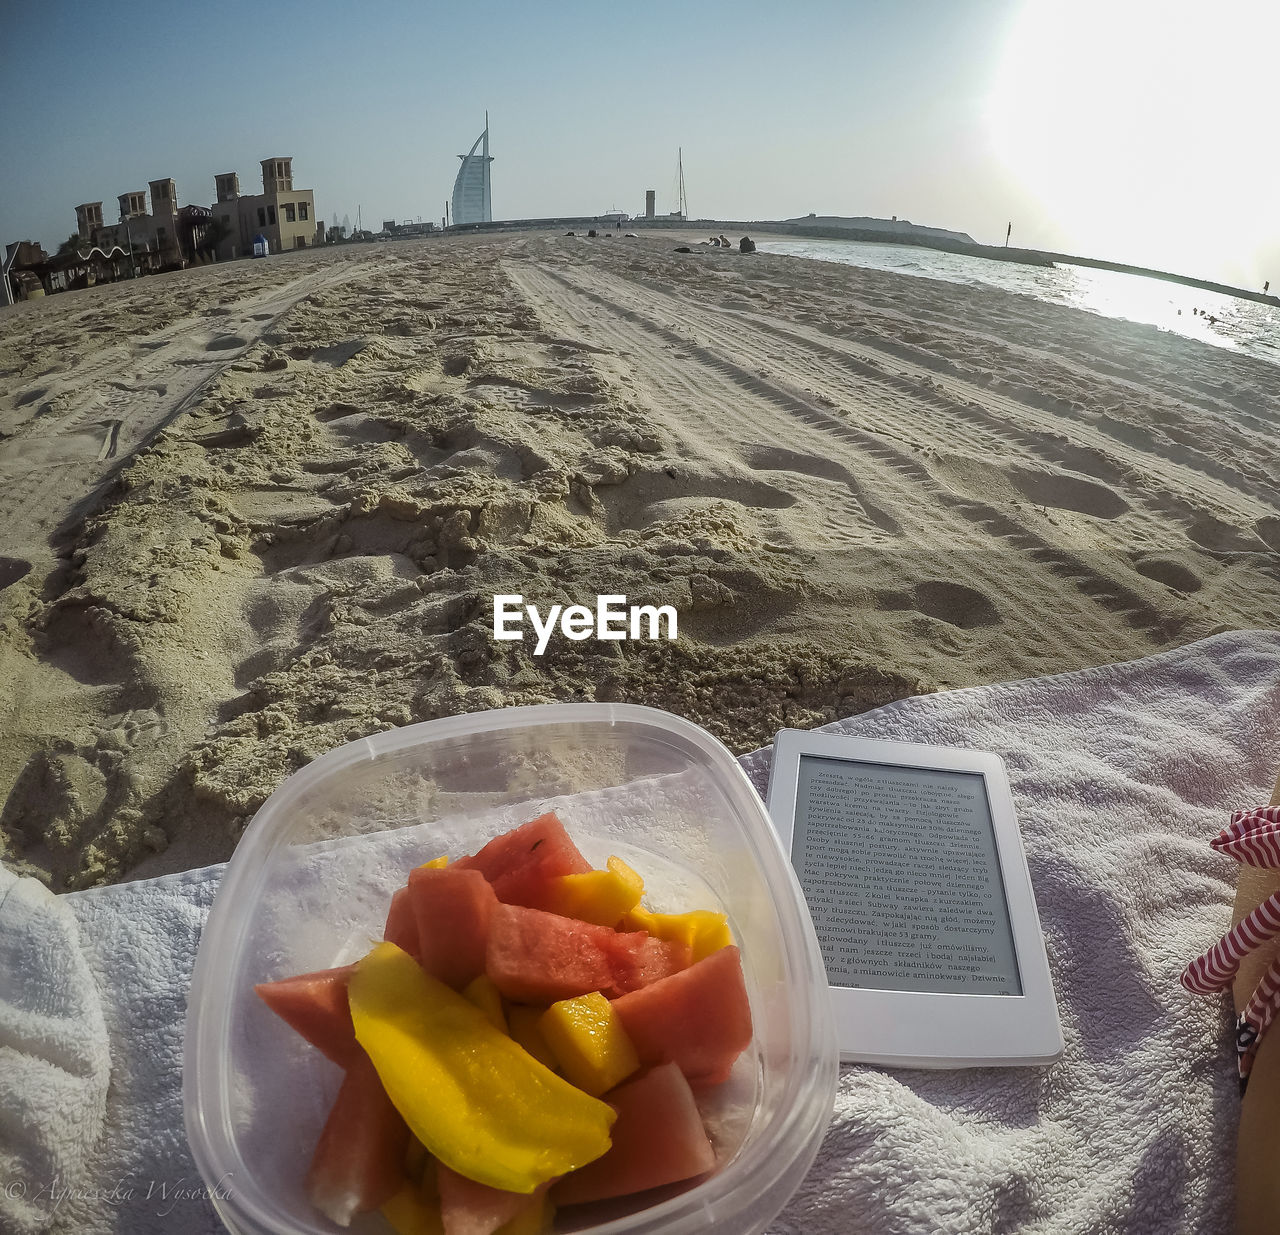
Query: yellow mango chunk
x=522, y=1025
x=436, y=864
x=410, y=1213
x=602, y=897
x=482, y=992
x=700, y=930
x=589, y=1042
x=474, y=1097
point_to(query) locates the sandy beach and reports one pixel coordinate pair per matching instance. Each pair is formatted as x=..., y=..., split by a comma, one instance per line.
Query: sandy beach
x=251, y=511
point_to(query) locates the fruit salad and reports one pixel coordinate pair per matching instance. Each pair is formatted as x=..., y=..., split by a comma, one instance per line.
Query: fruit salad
x=527, y=1036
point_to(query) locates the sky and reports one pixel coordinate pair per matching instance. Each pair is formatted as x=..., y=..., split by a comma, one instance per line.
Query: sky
x=1134, y=130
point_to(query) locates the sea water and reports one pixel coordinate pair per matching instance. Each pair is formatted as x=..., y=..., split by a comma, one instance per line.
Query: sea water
x=1244, y=325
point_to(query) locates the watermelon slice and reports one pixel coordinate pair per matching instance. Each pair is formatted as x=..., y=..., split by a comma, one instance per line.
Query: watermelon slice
x=539, y=957
x=402, y=923
x=658, y=1139
x=359, y=1161
x=656, y=959
x=521, y=864
x=315, y=1004
x=470, y=1208
x=699, y=1018
x=452, y=908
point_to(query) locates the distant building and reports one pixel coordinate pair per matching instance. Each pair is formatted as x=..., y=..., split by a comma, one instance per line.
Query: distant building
x=285, y=216
x=472, y=202
x=408, y=228
x=23, y=261
x=649, y=197
x=29, y=271
x=164, y=237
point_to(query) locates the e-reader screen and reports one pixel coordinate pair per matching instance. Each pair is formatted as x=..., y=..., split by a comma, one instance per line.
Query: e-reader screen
x=900, y=869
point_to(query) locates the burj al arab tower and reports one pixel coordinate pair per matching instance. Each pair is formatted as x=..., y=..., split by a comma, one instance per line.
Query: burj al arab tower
x=471, y=200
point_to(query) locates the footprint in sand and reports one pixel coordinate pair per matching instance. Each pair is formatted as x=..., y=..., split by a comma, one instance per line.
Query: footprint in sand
x=130, y=730
x=1168, y=570
x=335, y=356
x=1210, y=532
x=1268, y=530
x=11, y=570
x=954, y=603
x=336, y=411
x=1066, y=492
x=1050, y=488
x=769, y=458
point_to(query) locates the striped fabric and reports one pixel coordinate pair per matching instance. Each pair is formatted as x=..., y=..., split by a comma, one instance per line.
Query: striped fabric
x=1252, y=837
x=1213, y=970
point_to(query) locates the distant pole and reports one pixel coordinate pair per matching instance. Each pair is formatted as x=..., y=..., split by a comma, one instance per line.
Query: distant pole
x=1007, y=233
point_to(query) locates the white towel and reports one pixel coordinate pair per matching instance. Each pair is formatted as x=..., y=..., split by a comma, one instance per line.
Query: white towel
x=1120, y=775
x=54, y=1059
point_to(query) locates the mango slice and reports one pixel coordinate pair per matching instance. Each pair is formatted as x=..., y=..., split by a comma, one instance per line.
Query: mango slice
x=473, y=1096
x=601, y=897
x=700, y=930
x=482, y=992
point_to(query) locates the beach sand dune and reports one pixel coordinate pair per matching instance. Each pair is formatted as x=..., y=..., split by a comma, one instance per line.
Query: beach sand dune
x=251, y=512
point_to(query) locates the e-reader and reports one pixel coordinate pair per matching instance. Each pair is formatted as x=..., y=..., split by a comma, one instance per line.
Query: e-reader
x=911, y=862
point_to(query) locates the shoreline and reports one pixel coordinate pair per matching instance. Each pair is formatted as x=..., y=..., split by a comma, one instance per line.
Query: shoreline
x=1001, y=253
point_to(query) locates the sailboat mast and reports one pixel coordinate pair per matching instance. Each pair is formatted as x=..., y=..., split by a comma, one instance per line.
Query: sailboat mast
x=487, y=201
x=684, y=204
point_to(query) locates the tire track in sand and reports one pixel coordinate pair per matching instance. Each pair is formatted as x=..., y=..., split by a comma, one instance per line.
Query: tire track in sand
x=118, y=400
x=702, y=392
x=1104, y=448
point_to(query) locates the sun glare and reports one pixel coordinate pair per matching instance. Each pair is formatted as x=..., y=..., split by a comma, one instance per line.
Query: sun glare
x=1144, y=127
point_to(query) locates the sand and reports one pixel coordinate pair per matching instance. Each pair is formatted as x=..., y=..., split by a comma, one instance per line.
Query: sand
x=252, y=511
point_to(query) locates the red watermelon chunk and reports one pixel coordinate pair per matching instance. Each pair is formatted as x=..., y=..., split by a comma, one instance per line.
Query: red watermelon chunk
x=359, y=1160
x=658, y=1139
x=520, y=864
x=315, y=1005
x=402, y=924
x=452, y=908
x=698, y=1018
x=471, y=1208
x=539, y=957
x=657, y=959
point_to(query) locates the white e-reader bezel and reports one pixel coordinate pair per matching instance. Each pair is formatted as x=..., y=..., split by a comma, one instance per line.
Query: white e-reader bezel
x=921, y=1029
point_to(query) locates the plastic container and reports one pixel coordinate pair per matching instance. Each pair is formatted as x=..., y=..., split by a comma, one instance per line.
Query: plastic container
x=310, y=882
x=260, y=246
